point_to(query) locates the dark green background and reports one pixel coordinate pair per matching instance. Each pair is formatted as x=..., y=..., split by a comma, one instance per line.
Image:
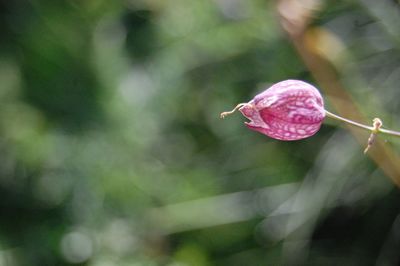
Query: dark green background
x=112, y=151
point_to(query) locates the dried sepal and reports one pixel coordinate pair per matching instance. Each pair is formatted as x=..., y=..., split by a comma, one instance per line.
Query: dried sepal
x=376, y=125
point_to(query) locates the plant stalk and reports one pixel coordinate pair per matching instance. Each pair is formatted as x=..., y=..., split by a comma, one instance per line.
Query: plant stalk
x=359, y=125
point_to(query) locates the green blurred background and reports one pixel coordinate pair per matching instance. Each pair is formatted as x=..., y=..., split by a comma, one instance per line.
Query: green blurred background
x=112, y=151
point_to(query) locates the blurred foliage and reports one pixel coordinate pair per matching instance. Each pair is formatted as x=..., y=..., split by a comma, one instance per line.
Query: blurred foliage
x=112, y=151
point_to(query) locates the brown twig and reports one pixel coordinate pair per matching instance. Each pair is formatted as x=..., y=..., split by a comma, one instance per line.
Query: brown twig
x=307, y=41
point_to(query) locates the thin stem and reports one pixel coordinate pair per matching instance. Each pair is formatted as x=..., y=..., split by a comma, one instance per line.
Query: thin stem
x=369, y=128
x=331, y=115
x=389, y=132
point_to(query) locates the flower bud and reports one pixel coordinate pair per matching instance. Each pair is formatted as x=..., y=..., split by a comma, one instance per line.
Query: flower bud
x=288, y=110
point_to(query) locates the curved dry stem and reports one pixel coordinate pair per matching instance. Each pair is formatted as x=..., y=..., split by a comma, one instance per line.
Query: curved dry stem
x=225, y=114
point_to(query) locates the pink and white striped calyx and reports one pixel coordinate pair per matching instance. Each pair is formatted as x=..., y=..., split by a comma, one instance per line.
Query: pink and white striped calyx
x=288, y=110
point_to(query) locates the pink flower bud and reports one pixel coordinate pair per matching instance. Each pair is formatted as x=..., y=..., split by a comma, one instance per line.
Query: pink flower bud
x=288, y=110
